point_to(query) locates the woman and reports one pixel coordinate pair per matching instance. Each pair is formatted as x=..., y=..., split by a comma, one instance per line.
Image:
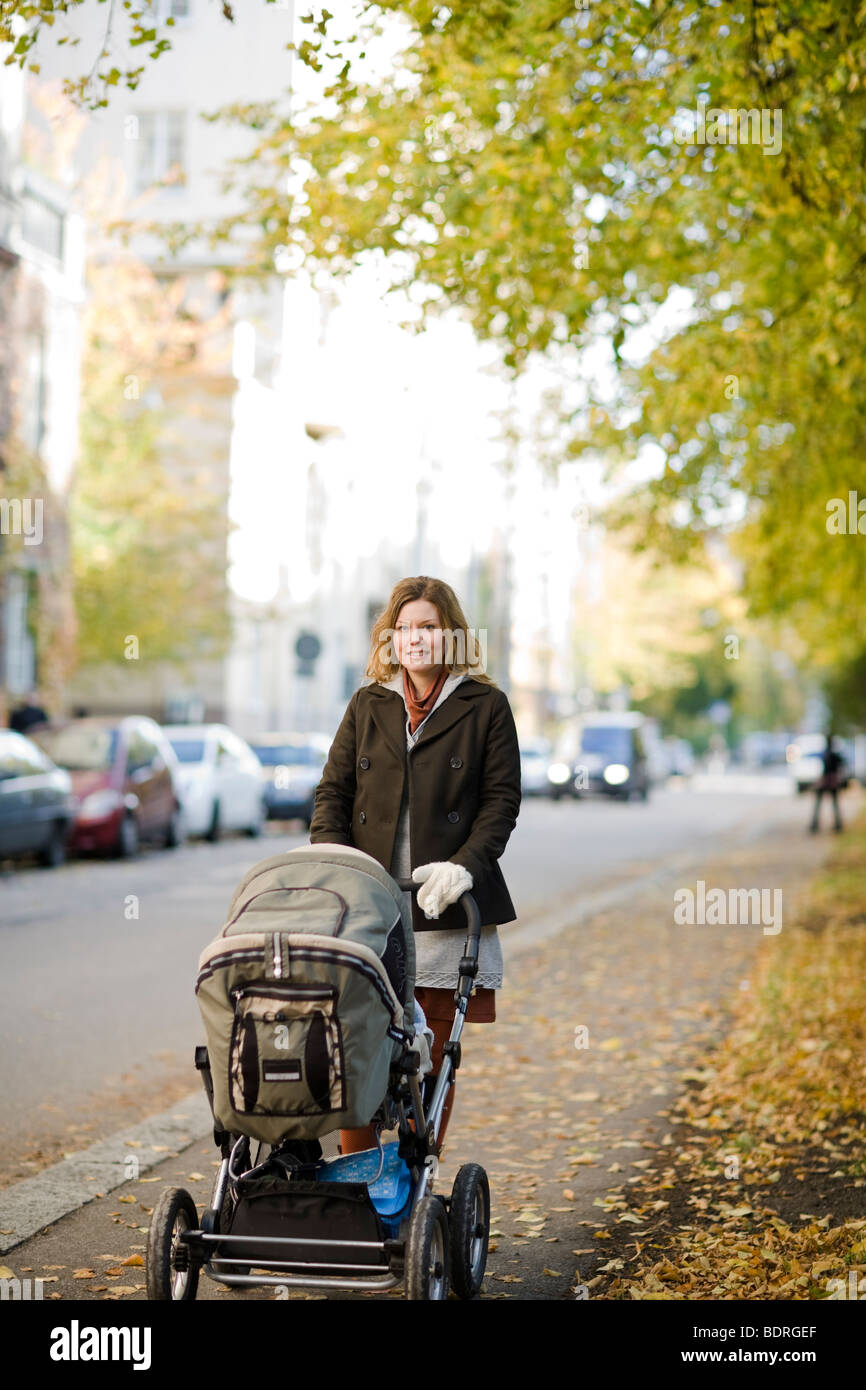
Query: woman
x=424, y=775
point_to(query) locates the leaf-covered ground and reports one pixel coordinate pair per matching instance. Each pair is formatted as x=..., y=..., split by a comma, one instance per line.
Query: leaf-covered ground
x=763, y=1178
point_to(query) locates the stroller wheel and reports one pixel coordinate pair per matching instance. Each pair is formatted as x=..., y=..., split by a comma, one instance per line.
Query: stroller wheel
x=171, y=1275
x=427, y=1251
x=469, y=1218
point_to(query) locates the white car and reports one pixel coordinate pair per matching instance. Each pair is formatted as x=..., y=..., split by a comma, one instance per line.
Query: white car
x=680, y=756
x=535, y=756
x=658, y=757
x=220, y=780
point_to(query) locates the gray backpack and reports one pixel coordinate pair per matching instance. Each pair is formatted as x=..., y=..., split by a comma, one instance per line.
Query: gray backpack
x=306, y=994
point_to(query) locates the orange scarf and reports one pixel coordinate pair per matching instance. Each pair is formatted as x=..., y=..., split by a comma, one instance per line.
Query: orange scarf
x=420, y=708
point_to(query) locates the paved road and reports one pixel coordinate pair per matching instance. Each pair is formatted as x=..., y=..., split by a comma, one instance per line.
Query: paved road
x=97, y=1015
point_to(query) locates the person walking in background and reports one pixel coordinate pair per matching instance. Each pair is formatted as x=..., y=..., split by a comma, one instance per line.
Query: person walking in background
x=433, y=735
x=829, y=782
x=28, y=713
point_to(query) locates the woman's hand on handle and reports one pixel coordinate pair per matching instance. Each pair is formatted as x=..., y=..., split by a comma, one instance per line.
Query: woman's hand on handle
x=444, y=882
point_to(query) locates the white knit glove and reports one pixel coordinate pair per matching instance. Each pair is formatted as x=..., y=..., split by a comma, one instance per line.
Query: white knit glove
x=443, y=884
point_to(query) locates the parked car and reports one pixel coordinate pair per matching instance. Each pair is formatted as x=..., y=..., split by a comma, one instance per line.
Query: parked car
x=124, y=774
x=805, y=758
x=535, y=755
x=610, y=758
x=291, y=770
x=37, y=803
x=658, y=759
x=220, y=780
x=765, y=748
x=680, y=756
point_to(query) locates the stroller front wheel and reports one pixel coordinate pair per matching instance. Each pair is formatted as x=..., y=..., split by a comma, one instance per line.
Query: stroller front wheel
x=171, y=1274
x=428, y=1251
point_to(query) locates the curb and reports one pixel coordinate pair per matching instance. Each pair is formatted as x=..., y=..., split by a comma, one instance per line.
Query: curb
x=28, y=1206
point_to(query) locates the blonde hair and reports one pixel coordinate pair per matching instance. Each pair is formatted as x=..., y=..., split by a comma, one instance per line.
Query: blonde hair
x=451, y=619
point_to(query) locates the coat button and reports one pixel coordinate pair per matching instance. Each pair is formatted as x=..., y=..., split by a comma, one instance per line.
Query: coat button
x=456, y=762
x=453, y=816
x=365, y=762
x=362, y=816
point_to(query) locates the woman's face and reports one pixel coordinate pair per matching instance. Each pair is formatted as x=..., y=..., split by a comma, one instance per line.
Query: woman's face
x=418, y=637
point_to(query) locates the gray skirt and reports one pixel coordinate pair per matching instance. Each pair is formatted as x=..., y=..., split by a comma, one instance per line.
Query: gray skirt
x=437, y=956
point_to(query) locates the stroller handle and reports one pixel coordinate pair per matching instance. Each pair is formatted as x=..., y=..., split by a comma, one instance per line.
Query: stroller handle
x=466, y=900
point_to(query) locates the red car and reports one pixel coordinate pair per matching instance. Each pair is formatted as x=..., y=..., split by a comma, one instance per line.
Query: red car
x=124, y=776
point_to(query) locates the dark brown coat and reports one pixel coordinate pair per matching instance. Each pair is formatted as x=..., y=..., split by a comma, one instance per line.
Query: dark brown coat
x=464, y=789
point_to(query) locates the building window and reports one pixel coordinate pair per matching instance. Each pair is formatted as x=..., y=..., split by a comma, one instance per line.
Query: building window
x=20, y=673
x=169, y=9
x=161, y=153
x=34, y=391
x=42, y=225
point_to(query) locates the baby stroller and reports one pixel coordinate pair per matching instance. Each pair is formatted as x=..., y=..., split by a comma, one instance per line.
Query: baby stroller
x=307, y=998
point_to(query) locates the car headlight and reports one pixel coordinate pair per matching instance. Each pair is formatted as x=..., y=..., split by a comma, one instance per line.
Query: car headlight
x=615, y=774
x=559, y=772
x=99, y=804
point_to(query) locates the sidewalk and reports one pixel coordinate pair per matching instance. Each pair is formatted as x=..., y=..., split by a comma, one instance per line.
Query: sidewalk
x=560, y=1128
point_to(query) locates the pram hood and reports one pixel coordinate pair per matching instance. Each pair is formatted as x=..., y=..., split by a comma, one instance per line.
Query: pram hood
x=307, y=993
x=325, y=889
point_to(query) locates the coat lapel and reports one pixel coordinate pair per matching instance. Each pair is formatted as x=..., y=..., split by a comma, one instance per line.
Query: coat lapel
x=455, y=708
x=389, y=713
